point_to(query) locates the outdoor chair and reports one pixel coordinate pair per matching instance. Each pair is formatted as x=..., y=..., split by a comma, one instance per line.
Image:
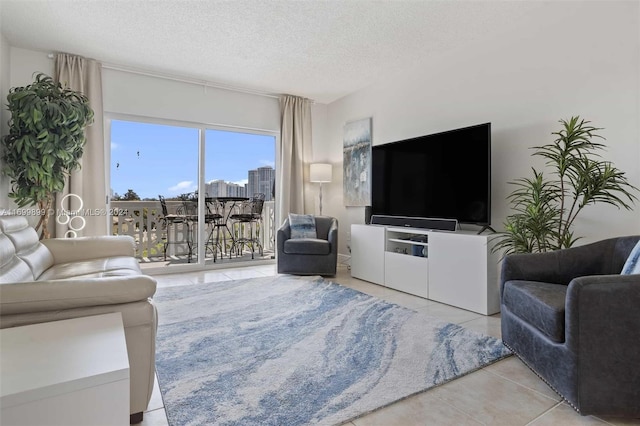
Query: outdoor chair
x=169, y=220
x=217, y=240
x=249, y=214
x=190, y=208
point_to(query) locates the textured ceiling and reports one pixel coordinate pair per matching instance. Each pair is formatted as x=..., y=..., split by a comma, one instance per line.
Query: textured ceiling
x=322, y=50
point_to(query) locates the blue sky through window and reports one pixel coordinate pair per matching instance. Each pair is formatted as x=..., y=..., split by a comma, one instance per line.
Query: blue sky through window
x=154, y=159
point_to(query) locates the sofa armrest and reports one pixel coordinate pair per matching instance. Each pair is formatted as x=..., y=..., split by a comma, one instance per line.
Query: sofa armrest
x=560, y=266
x=283, y=234
x=603, y=333
x=66, y=250
x=333, y=236
x=38, y=296
x=604, y=309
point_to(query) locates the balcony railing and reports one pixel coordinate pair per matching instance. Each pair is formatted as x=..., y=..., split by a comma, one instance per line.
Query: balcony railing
x=143, y=220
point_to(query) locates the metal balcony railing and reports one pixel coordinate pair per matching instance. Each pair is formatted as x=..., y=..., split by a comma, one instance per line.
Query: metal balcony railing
x=143, y=220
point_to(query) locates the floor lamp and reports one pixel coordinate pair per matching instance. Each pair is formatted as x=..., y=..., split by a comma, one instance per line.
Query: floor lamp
x=320, y=173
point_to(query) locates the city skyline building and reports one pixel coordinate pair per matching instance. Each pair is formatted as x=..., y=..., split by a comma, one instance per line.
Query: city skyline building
x=220, y=188
x=253, y=182
x=260, y=180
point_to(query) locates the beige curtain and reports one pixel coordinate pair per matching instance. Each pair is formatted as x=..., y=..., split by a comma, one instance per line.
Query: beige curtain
x=85, y=75
x=295, y=145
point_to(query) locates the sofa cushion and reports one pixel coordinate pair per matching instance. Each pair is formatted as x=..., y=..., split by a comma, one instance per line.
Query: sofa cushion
x=307, y=246
x=27, y=244
x=41, y=296
x=632, y=265
x=94, y=268
x=302, y=226
x=542, y=305
x=12, y=268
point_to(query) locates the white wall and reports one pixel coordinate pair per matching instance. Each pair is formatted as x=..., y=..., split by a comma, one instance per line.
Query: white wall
x=26, y=63
x=4, y=114
x=128, y=93
x=565, y=60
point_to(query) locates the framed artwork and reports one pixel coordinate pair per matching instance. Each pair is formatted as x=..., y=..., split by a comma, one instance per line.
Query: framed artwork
x=357, y=163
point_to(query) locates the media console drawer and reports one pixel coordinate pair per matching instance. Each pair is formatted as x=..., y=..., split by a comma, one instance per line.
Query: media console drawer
x=406, y=273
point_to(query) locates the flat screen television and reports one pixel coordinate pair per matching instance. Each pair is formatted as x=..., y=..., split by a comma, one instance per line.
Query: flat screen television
x=444, y=176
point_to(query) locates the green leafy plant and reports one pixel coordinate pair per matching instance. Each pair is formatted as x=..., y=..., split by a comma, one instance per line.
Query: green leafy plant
x=45, y=142
x=546, y=208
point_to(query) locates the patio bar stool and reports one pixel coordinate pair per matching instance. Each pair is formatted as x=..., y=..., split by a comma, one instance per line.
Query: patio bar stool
x=169, y=220
x=215, y=218
x=250, y=215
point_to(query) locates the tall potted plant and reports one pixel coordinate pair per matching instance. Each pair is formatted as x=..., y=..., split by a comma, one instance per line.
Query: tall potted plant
x=45, y=142
x=546, y=208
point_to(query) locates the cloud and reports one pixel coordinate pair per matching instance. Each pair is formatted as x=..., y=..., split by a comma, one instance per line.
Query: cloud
x=114, y=145
x=184, y=186
x=242, y=182
x=269, y=163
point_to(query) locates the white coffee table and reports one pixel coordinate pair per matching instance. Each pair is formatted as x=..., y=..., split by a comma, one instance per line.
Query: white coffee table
x=70, y=372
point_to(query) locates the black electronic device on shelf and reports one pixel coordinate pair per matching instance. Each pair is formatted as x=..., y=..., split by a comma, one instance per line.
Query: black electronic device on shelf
x=442, y=176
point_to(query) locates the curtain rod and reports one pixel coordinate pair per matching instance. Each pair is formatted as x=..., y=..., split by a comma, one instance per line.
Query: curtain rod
x=189, y=80
x=182, y=79
x=204, y=83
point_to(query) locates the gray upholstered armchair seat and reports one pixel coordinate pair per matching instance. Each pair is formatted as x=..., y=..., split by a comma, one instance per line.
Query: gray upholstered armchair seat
x=539, y=304
x=307, y=246
x=575, y=321
x=309, y=256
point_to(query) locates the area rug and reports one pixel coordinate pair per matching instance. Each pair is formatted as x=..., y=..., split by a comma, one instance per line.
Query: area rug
x=299, y=351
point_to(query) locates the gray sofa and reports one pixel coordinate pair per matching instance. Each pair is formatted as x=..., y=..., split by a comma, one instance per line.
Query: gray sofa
x=309, y=256
x=56, y=279
x=575, y=321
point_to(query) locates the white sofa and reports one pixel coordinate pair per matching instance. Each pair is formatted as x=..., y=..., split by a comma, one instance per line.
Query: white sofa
x=57, y=279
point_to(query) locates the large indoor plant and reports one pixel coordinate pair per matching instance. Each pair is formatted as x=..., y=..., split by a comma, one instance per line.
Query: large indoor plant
x=45, y=142
x=546, y=206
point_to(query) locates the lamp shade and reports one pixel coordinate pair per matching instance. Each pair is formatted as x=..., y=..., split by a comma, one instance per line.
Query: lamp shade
x=320, y=172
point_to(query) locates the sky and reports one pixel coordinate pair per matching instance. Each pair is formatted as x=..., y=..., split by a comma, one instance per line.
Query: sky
x=154, y=159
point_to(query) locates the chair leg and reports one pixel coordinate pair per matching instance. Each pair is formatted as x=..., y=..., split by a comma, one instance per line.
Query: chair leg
x=250, y=239
x=166, y=242
x=189, y=243
x=259, y=224
x=217, y=245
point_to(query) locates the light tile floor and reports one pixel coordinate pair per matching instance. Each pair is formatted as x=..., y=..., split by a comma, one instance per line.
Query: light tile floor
x=504, y=393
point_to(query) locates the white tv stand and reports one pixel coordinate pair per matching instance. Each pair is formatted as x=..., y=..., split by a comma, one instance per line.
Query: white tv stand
x=456, y=268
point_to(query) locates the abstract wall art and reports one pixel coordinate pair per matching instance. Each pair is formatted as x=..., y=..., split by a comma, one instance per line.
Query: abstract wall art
x=357, y=163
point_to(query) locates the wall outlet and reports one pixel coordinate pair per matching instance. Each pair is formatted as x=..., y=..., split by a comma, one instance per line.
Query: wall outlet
x=348, y=235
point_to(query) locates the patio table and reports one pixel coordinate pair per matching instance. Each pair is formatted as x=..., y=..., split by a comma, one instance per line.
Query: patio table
x=227, y=204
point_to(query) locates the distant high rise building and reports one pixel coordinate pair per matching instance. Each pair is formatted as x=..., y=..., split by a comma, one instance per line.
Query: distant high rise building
x=253, y=184
x=216, y=188
x=235, y=190
x=261, y=181
x=267, y=176
x=220, y=188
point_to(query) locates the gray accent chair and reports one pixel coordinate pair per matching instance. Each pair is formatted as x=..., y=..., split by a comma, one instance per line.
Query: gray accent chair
x=309, y=256
x=575, y=321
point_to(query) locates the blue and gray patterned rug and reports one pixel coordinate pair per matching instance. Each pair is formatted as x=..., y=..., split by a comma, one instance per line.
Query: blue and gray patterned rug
x=298, y=351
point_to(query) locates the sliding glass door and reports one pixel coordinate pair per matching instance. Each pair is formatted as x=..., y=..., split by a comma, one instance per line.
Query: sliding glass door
x=240, y=179
x=156, y=171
